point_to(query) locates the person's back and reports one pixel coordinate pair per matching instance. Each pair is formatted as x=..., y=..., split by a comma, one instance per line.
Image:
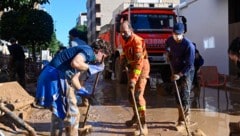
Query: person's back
x=198, y=62
x=62, y=59
x=16, y=52
x=17, y=61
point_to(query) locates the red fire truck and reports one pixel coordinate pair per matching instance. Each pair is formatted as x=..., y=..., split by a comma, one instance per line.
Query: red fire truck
x=153, y=22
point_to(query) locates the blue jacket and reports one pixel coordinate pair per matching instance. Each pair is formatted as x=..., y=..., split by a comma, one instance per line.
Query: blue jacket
x=182, y=54
x=52, y=86
x=76, y=41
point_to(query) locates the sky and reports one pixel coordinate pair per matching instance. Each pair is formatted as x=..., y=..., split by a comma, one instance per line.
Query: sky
x=64, y=14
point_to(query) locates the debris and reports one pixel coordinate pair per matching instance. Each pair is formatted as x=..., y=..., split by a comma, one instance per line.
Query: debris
x=198, y=132
x=18, y=120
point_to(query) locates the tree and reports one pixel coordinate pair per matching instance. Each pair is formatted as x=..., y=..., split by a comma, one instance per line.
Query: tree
x=20, y=4
x=54, y=45
x=30, y=27
x=82, y=32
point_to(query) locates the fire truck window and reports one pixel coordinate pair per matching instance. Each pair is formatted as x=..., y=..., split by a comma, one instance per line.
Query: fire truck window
x=140, y=21
x=157, y=22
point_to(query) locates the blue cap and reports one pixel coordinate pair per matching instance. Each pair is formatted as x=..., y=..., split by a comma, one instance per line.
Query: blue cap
x=178, y=28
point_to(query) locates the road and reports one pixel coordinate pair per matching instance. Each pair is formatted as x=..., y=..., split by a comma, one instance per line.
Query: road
x=213, y=113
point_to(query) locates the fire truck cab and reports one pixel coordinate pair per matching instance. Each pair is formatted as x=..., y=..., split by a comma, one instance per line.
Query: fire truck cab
x=152, y=22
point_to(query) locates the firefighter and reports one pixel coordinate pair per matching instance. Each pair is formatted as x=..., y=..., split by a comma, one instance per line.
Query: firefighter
x=181, y=53
x=134, y=52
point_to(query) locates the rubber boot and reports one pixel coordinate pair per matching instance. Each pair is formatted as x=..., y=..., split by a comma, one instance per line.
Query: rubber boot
x=70, y=131
x=180, y=123
x=130, y=123
x=142, y=115
x=181, y=116
x=85, y=130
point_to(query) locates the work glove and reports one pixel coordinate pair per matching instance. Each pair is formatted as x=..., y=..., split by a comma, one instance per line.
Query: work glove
x=83, y=92
x=93, y=69
x=131, y=86
x=175, y=77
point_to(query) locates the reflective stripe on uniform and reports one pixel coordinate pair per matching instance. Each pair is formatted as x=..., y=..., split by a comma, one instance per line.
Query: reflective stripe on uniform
x=142, y=108
x=137, y=71
x=129, y=61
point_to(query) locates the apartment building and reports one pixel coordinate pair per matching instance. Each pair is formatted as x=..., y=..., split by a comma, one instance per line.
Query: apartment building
x=82, y=19
x=99, y=13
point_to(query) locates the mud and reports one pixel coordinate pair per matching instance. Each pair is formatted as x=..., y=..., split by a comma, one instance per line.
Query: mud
x=213, y=112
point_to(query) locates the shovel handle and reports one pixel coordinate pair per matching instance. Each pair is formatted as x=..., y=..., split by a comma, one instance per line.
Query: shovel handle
x=135, y=106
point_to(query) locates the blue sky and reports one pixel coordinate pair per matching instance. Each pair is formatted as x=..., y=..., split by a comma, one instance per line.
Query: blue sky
x=64, y=14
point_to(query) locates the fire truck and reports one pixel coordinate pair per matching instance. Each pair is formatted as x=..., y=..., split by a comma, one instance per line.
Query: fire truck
x=152, y=22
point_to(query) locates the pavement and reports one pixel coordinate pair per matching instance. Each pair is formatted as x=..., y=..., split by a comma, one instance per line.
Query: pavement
x=213, y=112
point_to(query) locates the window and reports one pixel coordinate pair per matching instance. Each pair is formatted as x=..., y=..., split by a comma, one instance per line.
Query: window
x=152, y=21
x=98, y=21
x=98, y=8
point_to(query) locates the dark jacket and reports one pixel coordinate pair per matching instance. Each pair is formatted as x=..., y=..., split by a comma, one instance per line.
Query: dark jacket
x=17, y=53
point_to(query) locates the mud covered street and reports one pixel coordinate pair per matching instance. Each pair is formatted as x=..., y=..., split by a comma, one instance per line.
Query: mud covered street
x=213, y=113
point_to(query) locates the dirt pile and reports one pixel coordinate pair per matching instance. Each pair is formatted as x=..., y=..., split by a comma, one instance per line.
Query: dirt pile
x=13, y=95
x=15, y=105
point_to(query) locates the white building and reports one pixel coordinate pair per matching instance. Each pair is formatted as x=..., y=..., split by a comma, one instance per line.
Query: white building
x=82, y=19
x=208, y=27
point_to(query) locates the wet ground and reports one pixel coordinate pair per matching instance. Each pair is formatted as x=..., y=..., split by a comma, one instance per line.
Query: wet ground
x=213, y=112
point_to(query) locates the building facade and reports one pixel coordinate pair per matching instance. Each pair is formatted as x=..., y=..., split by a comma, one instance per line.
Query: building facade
x=209, y=30
x=100, y=13
x=82, y=19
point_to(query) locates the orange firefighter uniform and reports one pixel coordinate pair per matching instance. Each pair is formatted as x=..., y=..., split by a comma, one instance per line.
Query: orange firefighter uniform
x=134, y=51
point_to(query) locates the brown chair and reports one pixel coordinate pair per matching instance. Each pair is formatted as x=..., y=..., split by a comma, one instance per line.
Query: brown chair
x=210, y=77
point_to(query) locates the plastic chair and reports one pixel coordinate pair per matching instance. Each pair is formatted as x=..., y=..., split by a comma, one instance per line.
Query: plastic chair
x=210, y=77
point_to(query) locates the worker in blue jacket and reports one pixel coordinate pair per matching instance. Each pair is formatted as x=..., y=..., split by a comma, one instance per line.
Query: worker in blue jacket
x=181, y=52
x=59, y=83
